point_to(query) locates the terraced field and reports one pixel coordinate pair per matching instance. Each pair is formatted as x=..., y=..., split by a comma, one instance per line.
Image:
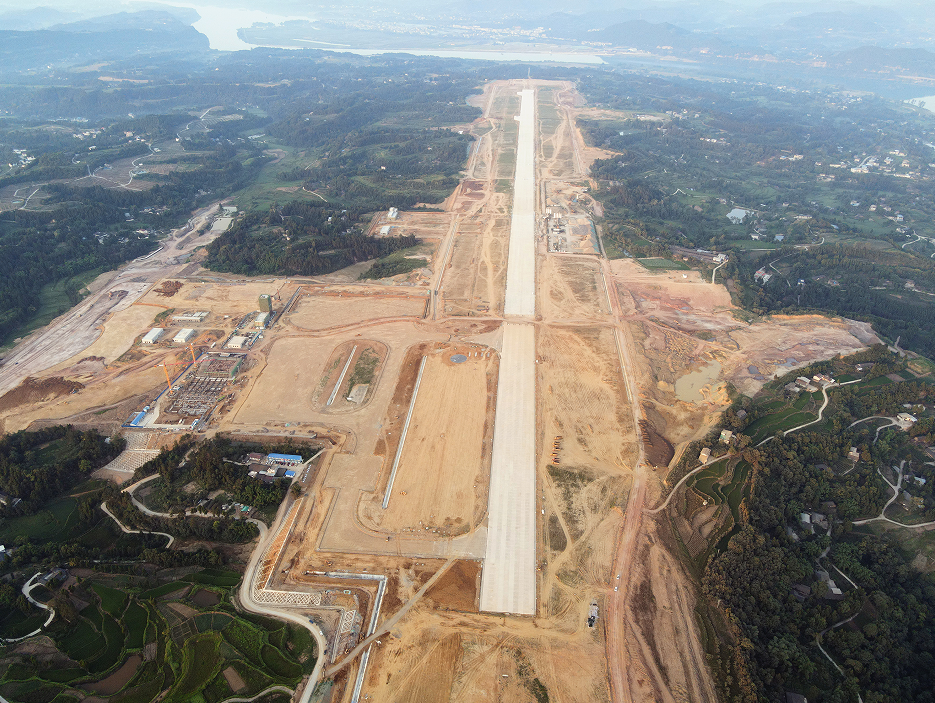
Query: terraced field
x=179, y=641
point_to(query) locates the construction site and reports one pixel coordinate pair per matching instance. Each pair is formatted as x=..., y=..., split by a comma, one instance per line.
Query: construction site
x=495, y=427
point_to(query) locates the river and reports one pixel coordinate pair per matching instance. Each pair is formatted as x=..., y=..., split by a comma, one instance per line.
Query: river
x=220, y=25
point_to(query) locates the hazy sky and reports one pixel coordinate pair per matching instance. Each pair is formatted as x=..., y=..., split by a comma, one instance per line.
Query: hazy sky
x=507, y=5
x=703, y=14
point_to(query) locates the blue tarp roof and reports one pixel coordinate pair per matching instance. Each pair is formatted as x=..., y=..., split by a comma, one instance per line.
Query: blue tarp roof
x=285, y=457
x=134, y=419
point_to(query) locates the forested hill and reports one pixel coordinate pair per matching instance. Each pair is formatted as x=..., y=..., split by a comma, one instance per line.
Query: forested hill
x=107, y=38
x=98, y=165
x=797, y=569
x=298, y=239
x=834, y=193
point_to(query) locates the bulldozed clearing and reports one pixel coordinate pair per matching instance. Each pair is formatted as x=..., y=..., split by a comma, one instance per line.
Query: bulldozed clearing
x=320, y=312
x=441, y=483
x=687, y=330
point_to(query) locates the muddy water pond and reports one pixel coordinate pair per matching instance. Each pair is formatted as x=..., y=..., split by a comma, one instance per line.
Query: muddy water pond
x=688, y=387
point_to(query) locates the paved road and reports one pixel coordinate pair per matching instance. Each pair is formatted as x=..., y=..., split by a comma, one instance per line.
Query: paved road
x=896, y=489
x=665, y=503
x=521, y=264
x=261, y=694
x=508, y=584
x=27, y=591
x=136, y=532
x=247, y=602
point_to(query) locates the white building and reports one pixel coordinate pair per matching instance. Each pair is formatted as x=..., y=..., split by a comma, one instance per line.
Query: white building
x=183, y=336
x=237, y=342
x=261, y=320
x=153, y=335
x=191, y=316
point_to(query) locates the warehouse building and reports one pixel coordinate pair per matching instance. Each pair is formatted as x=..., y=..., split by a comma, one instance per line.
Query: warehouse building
x=191, y=316
x=261, y=320
x=183, y=336
x=237, y=342
x=153, y=335
x=284, y=459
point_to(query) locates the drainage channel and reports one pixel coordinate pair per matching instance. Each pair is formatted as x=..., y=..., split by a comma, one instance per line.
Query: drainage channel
x=374, y=615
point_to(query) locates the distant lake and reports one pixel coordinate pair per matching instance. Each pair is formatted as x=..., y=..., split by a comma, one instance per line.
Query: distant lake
x=220, y=25
x=928, y=100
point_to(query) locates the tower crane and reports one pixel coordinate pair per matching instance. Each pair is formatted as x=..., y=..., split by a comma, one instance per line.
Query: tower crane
x=166, y=364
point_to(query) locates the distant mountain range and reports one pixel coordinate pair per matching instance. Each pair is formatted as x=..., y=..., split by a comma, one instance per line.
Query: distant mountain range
x=112, y=37
x=847, y=38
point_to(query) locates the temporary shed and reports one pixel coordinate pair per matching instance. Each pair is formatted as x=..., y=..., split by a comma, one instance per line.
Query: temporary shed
x=153, y=335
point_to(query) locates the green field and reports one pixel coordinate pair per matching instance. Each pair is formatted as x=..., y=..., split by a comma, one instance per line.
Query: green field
x=659, y=264
x=45, y=525
x=116, y=625
x=53, y=301
x=397, y=263
x=112, y=600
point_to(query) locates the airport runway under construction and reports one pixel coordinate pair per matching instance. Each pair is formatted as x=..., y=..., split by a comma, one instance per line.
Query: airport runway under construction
x=508, y=584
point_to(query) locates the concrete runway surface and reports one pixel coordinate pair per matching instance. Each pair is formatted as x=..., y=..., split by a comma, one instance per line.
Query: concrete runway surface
x=508, y=584
x=521, y=264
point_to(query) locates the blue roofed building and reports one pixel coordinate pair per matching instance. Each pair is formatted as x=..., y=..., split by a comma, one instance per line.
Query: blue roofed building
x=284, y=459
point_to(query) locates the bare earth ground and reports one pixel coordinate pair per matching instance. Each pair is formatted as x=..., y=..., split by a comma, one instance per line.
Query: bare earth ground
x=612, y=342
x=318, y=312
x=682, y=324
x=443, y=467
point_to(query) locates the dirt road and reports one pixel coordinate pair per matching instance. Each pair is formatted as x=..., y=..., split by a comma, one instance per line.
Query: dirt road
x=77, y=329
x=626, y=542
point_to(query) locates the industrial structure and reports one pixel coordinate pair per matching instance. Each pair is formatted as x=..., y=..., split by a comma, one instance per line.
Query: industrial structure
x=266, y=303
x=198, y=316
x=153, y=336
x=220, y=366
x=206, y=386
x=284, y=459
x=261, y=320
x=183, y=335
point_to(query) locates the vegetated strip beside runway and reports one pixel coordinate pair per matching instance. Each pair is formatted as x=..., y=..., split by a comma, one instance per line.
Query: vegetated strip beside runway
x=508, y=584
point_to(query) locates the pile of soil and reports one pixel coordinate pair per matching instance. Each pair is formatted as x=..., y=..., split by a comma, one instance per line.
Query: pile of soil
x=659, y=451
x=36, y=391
x=169, y=288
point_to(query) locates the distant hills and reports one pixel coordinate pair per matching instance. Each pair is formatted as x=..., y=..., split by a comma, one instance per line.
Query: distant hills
x=875, y=58
x=112, y=37
x=640, y=34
